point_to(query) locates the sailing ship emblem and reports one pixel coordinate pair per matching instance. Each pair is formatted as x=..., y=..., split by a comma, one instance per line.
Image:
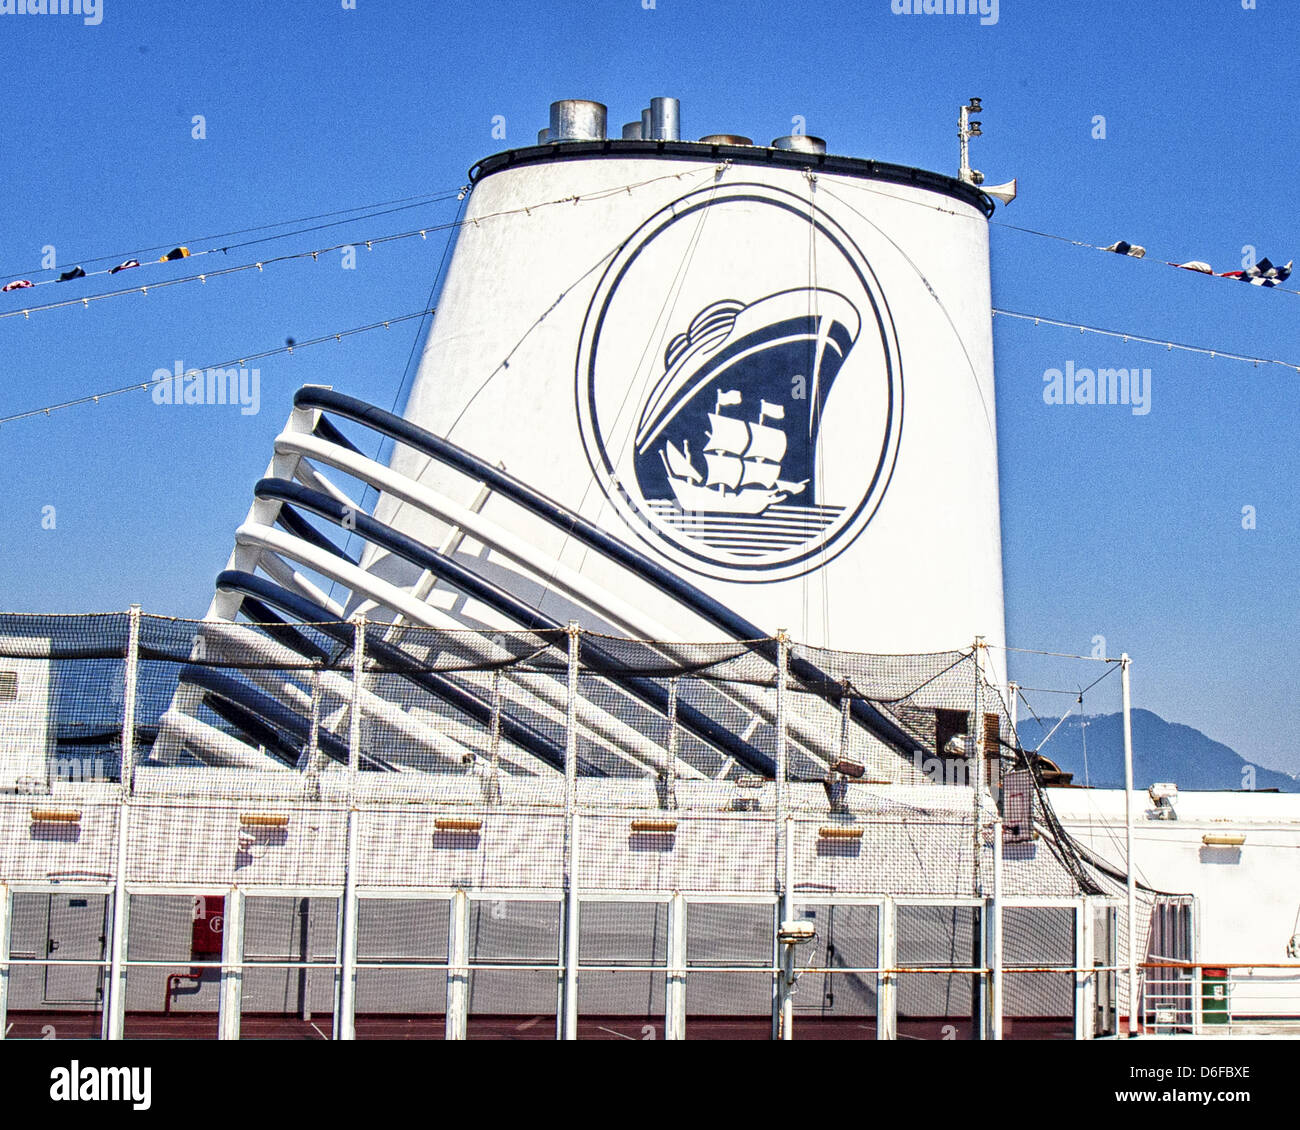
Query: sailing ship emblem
x=755, y=438
x=751, y=490
x=743, y=461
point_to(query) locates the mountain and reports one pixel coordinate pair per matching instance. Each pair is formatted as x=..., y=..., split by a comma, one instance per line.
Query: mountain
x=1162, y=751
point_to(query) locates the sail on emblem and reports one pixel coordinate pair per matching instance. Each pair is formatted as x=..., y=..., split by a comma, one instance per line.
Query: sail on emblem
x=742, y=414
x=743, y=461
x=727, y=441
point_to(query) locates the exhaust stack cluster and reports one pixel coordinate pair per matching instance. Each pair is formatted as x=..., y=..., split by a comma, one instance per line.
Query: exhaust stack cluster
x=577, y=119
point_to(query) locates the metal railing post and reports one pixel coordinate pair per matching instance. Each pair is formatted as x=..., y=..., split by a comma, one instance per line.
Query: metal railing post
x=675, y=996
x=345, y=1012
x=981, y=784
x=993, y=1030
x=887, y=982
x=782, y=747
x=232, y=966
x=458, y=967
x=354, y=729
x=569, y=999
x=129, y=684
x=670, y=773
x=1085, y=985
x=1198, y=974
x=1130, y=878
x=115, y=997
x=782, y=1005
x=571, y=720
x=982, y=986
x=788, y=952
x=5, y=919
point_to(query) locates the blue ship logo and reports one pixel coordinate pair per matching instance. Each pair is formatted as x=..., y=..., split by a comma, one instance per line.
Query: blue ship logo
x=726, y=443
x=725, y=448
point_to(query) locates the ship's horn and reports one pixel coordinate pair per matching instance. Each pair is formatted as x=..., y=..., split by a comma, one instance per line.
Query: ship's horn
x=1004, y=192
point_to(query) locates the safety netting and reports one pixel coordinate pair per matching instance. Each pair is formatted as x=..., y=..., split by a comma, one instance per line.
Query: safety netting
x=454, y=823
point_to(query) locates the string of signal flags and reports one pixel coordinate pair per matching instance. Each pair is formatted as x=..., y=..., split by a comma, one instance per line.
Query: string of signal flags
x=182, y=252
x=1262, y=272
x=143, y=256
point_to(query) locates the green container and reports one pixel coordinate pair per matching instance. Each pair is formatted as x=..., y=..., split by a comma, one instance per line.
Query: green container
x=1214, y=996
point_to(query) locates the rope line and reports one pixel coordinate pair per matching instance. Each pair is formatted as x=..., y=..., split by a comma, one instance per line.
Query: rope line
x=1130, y=336
x=338, y=336
x=1054, y=654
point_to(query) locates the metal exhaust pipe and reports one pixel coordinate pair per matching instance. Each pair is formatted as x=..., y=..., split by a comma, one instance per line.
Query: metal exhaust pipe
x=665, y=119
x=576, y=119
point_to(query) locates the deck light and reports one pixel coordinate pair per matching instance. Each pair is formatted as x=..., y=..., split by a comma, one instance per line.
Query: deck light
x=660, y=826
x=264, y=819
x=56, y=816
x=840, y=832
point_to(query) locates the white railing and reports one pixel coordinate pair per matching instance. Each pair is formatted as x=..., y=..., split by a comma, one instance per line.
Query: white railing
x=1228, y=999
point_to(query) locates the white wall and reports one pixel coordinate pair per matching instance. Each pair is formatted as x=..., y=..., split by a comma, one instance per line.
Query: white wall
x=1248, y=896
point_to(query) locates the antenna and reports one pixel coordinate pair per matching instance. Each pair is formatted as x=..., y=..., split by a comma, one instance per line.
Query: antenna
x=972, y=128
x=968, y=130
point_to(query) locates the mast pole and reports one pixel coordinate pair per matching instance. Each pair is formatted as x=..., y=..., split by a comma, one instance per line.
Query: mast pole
x=1130, y=879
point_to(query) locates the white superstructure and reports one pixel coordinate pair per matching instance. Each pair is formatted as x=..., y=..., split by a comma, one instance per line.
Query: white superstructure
x=768, y=370
x=1237, y=853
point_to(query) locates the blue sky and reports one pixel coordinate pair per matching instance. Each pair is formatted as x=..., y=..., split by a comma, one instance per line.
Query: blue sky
x=1114, y=525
